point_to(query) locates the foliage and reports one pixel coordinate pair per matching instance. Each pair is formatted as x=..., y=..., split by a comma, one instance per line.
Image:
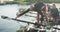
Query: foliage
x=34, y=1
x=48, y=26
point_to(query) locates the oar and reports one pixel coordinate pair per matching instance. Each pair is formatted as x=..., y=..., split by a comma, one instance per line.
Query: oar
x=5, y=17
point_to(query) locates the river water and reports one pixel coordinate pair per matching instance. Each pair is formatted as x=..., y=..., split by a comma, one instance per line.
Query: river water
x=10, y=11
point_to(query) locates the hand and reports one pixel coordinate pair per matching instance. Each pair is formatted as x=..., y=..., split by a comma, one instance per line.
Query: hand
x=17, y=15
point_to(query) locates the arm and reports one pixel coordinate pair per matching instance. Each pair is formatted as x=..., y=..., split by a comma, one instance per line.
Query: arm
x=22, y=13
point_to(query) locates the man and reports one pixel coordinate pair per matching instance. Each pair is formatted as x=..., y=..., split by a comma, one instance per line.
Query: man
x=38, y=7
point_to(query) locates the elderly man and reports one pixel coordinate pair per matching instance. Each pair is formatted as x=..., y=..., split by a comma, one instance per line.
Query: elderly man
x=38, y=7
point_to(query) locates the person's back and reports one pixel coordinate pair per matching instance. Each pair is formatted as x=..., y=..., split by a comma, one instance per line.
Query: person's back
x=38, y=6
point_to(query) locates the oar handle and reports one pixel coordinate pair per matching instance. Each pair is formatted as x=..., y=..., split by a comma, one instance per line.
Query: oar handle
x=4, y=17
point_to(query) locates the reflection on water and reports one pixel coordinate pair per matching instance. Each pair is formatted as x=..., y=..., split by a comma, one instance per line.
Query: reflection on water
x=9, y=25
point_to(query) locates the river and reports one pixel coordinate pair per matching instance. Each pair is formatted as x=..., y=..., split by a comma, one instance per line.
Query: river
x=10, y=11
